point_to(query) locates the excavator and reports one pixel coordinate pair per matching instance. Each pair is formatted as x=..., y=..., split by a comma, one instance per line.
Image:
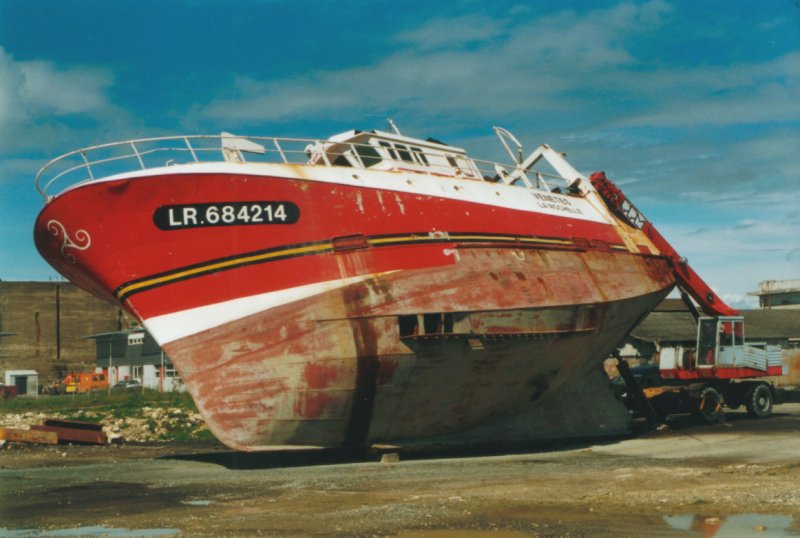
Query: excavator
x=723, y=368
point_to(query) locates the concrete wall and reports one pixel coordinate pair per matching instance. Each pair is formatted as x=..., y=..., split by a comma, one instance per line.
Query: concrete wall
x=51, y=319
x=791, y=358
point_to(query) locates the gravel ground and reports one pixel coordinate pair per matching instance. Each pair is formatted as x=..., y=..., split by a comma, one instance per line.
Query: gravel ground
x=739, y=478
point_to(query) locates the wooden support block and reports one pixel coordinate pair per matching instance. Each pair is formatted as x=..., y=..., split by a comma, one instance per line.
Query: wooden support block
x=75, y=435
x=28, y=436
x=380, y=449
x=392, y=457
x=73, y=424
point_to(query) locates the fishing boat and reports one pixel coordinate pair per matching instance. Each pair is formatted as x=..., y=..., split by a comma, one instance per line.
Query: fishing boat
x=369, y=288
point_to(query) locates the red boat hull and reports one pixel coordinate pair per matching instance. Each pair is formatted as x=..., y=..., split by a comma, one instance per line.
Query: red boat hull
x=367, y=314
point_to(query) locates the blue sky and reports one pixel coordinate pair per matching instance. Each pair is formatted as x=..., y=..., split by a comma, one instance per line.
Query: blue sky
x=692, y=107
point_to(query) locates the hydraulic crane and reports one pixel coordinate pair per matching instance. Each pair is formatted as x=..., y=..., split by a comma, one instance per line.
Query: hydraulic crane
x=723, y=368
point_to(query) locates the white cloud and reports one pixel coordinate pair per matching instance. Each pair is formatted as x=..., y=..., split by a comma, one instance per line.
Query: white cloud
x=453, y=32
x=63, y=92
x=510, y=65
x=36, y=98
x=734, y=257
x=745, y=93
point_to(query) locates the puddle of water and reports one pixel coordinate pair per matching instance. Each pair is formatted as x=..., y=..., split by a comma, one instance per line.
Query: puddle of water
x=198, y=502
x=88, y=532
x=756, y=525
x=460, y=533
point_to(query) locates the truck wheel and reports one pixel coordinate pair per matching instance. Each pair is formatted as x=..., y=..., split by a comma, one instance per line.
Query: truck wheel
x=759, y=404
x=710, y=405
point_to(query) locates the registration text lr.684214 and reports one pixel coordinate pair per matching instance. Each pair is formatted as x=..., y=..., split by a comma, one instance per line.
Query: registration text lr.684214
x=175, y=217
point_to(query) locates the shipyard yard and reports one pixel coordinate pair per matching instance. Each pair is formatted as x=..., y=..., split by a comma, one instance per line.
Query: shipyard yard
x=737, y=478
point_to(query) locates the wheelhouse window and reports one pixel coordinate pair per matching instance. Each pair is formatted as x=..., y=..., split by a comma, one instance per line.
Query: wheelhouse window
x=460, y=165
x=401, y=152
x=419, y=155
x=389, y=148
x=369, y=155
x=404, y=153
x=342, y=160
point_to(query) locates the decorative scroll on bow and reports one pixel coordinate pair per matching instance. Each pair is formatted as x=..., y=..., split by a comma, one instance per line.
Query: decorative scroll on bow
x=82, y=237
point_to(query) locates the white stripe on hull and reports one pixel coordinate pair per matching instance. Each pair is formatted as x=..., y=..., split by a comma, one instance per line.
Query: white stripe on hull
x=475, y=191
x=170, y=327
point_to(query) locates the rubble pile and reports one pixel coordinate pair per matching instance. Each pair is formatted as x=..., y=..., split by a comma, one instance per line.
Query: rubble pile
x=23, y=420
x=154, y=423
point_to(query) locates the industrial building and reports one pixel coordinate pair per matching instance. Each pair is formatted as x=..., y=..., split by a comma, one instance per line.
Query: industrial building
x=53, y=328
x=45, y=324
x=135, y=355
x=781, y=294
x=25, y=382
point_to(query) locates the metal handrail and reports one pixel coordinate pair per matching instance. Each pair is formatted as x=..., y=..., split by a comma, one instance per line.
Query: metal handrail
x=105, y=157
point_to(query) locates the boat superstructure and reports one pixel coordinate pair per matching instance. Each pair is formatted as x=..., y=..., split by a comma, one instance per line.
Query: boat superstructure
x=367, y=288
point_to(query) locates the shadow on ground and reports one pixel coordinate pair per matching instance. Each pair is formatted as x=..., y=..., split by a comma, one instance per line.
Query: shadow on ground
x=275, y=459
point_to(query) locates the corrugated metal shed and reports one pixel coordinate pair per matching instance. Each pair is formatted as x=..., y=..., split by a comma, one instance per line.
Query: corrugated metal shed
x=771, y=324
x=663, y=327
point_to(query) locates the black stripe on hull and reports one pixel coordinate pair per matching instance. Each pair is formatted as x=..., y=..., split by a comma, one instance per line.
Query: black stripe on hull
x=461, y=240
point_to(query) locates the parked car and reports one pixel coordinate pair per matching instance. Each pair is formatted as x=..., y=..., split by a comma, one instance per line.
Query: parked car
x=128, y=384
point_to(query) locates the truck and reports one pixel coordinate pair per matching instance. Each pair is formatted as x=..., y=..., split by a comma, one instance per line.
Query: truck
x=81, y=382
x=722, y=370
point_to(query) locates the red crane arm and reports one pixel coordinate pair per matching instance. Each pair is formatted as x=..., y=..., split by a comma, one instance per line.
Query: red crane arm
x=688, y=280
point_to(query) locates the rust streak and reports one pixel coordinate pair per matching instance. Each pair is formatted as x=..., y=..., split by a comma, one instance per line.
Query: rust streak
x=319, y=376
x=310, y=405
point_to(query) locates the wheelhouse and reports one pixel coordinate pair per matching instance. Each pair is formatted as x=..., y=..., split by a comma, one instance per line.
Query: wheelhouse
x=380, y=150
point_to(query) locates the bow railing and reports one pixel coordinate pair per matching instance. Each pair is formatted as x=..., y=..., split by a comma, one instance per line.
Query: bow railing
x=108, y=160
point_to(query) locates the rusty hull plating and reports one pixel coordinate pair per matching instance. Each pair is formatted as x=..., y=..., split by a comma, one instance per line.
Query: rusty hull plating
x=437, y=356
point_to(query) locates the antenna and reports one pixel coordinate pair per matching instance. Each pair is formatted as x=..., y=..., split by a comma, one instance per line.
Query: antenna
x=393, y=127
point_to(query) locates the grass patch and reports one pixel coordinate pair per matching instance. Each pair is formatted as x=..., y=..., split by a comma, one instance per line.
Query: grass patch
x=165, y=414
x=119, y=403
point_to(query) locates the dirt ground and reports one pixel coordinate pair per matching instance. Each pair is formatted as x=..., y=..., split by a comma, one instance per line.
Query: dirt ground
x=738, y=478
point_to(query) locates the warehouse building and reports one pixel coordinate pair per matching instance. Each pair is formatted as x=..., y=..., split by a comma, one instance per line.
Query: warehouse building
x=48, y=321
x=672, y=325
x=134, y=355
x=779, y=294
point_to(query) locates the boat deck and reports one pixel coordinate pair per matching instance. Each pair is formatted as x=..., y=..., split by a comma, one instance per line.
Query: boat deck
x=366, y=150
